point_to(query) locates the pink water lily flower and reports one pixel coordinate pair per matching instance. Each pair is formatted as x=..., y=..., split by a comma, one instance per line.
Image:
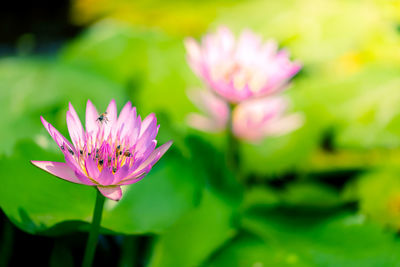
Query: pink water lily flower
x=113, y=151
x=256, y=119
x=240, y=69
x=216, y=111
x=252, y=120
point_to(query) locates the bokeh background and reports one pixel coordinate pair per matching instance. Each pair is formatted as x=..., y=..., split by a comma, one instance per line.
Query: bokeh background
x=327, y=194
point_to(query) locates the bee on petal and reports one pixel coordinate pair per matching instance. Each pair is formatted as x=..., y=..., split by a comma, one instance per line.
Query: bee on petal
x=102, y=118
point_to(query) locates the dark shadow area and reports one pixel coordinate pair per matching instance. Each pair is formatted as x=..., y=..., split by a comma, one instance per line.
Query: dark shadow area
x=47, y=250
x=39, y=27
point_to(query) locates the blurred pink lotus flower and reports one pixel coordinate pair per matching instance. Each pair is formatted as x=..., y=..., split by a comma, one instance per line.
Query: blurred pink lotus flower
x=113, y=151
x=252, y=120
x=256, y=119
x=216, y=111
x=240, y=69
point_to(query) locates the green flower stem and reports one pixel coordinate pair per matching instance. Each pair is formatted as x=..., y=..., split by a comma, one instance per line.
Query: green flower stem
x=94, y=231
x=233, y=159
x=7, y=243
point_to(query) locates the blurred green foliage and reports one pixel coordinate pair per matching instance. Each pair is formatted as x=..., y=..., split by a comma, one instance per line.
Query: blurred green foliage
x=327, y=194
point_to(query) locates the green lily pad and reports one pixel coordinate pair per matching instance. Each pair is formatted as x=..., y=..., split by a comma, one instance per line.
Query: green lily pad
x=378, y=193
x=197, y=235
x=291, y=238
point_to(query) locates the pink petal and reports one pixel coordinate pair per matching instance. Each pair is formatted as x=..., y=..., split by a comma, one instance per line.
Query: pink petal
x=75, y=128
x=84, y=179
x=226, y=38
x=92, y=125
x=122, y=173
x=203, y=123
x=194, y=54
x=148, y=133
x=148, y=124
x=256, y=119
x=216, y=109
x=248, y=45
x=159, y=152
x=91, y=168
x=284, y=125
x=111, y=118
x=122, y=118
x=59, y=169
x=192, y=48
x=106, y=177
x=294, y=68
x=74, y=165
x=136, y=178
x=240, y=69
x=126, y=172
x=129, y=126
x=154, y=156
x=111, y=192
x=145, y=153
x=269, y=49
x=59, y=138
x=135, y=127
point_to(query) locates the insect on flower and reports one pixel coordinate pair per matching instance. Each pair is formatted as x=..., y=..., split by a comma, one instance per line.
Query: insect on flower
x=106, y=155
x=102, y=118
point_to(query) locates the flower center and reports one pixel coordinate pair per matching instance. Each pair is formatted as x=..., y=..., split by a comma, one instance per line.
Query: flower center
x=240, y=74
x=112, y=153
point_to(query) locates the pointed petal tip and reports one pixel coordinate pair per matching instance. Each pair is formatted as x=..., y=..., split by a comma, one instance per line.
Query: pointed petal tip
x=43, y=120
x=187, y=41
x=90, y=107
x=164, y=147
x=58, y=169
x=113, y=193
x=169, y=143
x=34, y=162
x=152, y=115
x=112, y=105
x=71, y=108
x=128, y=106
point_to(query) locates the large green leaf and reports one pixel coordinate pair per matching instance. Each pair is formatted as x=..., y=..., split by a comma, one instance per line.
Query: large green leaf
x=36, y=201
x=369, y=119
x=379, y=195
x=197, y=235
x=248, y=250
x=111, y=49
x=292, y=238
x=306, y=194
